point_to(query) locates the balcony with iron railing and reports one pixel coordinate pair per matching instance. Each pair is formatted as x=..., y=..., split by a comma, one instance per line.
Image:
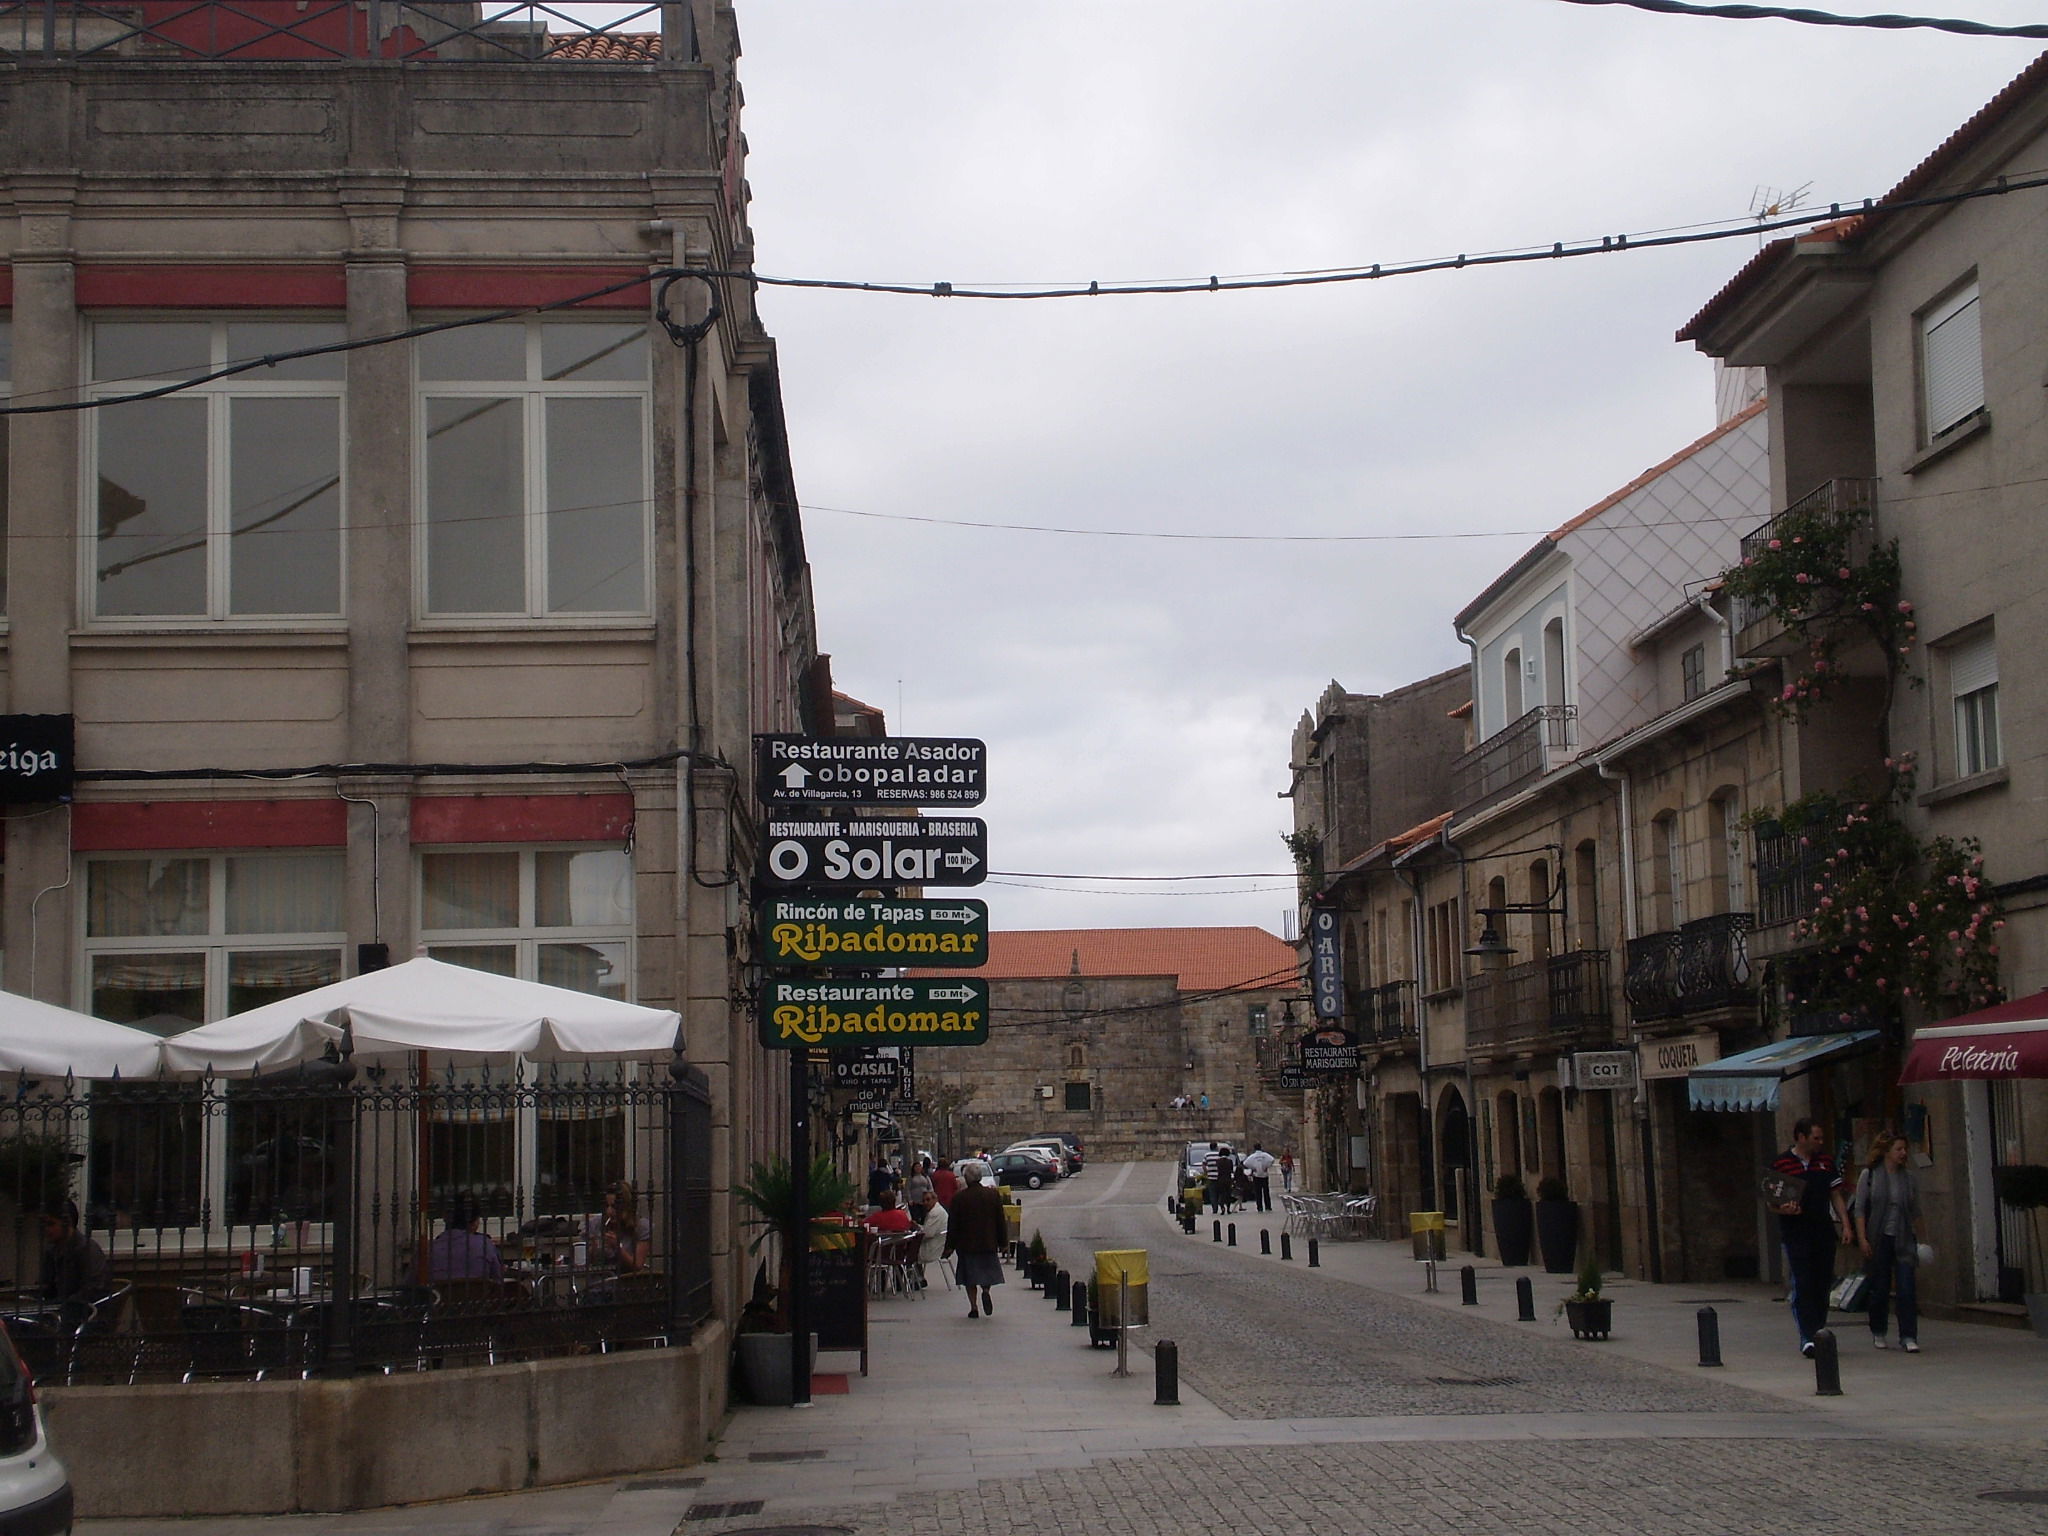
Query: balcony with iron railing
x=1839, y=517
x=1392, y=1021
x=1539, y=741
x=1785, y=869
x=1558, y=1004
x=409, y=31
x=1697, y=966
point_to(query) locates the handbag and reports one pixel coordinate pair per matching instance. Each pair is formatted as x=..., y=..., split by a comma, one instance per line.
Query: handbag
x=1851, y=1293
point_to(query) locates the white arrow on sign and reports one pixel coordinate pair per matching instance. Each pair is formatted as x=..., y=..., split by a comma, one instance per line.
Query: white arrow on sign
x=961, y=859
x=951, y=994
x=794, y=775
x=951, y=914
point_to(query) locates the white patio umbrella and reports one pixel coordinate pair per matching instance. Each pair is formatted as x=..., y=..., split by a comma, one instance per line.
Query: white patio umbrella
x=44, y=1040
x=459, y=1014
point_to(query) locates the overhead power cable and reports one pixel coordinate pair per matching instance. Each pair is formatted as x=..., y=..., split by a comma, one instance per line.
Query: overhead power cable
x=1825, y=18
x=1605, y=245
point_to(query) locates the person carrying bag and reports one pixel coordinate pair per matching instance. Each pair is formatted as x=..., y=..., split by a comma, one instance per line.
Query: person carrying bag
x=1886, y=1209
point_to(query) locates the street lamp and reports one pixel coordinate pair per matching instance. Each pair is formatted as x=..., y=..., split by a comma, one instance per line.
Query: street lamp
x=1492, y=951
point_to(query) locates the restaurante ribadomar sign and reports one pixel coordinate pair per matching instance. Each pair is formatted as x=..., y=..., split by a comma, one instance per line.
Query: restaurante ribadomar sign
x=922, y=1012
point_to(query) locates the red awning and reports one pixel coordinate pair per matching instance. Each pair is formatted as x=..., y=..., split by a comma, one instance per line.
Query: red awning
x=2007, y=1040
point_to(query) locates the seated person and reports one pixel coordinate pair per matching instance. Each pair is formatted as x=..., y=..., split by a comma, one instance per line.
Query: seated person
x=463, y=1253
x=74, y=1266
x=888, y=1216
x=619, y=1234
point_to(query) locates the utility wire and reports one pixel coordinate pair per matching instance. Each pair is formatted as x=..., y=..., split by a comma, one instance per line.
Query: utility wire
x=1606, y=245
x=1824, y=18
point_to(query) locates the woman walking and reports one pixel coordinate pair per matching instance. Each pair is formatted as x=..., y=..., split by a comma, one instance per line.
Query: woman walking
x=1887, y=1214
x=975, y=1232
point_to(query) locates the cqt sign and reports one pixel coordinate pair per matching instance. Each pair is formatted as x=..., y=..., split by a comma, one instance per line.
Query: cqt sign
x=1603, y=1069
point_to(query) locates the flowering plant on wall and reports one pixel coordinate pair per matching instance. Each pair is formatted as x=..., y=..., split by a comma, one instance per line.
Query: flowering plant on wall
x=1809, y=575
x=1902, y=920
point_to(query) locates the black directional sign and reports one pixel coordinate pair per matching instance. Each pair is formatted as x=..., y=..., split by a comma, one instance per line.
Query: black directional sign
x=870, y=770
x=855, y=855
x=824, y=1011
x=806, y=931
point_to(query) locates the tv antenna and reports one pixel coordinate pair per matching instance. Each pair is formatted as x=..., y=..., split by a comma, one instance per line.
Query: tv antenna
x=1769, y=203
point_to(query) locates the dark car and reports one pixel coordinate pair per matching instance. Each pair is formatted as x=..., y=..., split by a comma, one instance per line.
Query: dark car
x=1033, y=1170
x=35, y=1490
x=1074, y=1150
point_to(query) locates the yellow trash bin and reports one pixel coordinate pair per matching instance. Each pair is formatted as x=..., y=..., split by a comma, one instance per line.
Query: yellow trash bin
x=1131, y=1263
x=1013, y=1221
x=1426, y=1229
x=1191, y=1199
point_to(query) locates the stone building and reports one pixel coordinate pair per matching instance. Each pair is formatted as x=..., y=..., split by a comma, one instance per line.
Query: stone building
x=1097, y=1031
x=447, y=641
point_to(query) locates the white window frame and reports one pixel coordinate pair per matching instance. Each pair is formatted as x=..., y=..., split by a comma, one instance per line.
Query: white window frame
x=1973, y=699
x=533, y=392
x=1951, y=337
x=218, y=395
x=216, y=944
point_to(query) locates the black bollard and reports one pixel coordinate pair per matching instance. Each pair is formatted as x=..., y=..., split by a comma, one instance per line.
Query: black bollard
x=1710, y=1336
x=1080, y=1304
x=1468, y=1286
x=1525, y=1300
x=1187, y=1221
x=1062, y=1290
x=1166, y=1374
x=1172, y=1205
x=1215, y=1231
x=1265, y=1241
x=1287, y=1247
x=1019, y=1254
x=1233, y=1236
x=1827, y=1368
x=1315, y=1255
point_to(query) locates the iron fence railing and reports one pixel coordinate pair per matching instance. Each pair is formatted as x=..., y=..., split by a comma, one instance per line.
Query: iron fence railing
x=1393, y=1015
x=393, y=31
x=1785, y=867
x=321, y=1222
x=1543, y=1005
x=1701, y=964
x=1517, y=752
x=1838, y=512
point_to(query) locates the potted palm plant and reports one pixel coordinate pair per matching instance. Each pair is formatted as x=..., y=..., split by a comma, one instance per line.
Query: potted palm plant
x=2024, y=1187
x=1557, y=1225
x=1590, y=1314
x=1514, y=1220
x=770, y=1196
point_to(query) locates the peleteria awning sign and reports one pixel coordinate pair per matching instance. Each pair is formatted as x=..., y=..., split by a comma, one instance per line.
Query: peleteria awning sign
x=2007, y=1040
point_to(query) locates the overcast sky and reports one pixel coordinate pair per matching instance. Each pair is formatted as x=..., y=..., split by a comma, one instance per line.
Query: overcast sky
x=1137, y=694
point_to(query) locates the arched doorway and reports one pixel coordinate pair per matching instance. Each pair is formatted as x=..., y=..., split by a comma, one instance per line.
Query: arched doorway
x=1454, y=1149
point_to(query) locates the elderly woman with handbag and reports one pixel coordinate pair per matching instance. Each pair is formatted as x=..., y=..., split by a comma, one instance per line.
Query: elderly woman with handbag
x=1887, y=1214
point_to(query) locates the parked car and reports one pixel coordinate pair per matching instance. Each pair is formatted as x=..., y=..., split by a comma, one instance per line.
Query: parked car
x=1031, y=1168
x=35, y=1490
x=1074, y=1149
x=1192, y=1155
x=1048, y=1144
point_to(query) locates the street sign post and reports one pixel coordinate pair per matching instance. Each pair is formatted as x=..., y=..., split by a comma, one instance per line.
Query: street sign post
x=797, y=1012
x=889, y=851
x=806, y=931
x=870, y=770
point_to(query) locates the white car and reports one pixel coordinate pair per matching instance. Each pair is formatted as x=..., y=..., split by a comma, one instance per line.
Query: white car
x=35, y=1490
x=1051, y=1144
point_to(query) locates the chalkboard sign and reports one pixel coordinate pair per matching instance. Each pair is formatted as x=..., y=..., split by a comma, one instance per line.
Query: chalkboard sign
x=839, y=1296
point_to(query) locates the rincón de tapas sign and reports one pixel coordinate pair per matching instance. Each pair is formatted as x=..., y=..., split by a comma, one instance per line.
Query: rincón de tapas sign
x=797, y=1012
x=802, y=931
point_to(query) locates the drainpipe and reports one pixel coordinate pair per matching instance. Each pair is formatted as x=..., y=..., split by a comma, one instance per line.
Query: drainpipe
x=1704, y=601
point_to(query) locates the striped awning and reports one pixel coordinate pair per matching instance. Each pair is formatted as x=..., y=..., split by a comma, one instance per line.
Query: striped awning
x=1750, y=1080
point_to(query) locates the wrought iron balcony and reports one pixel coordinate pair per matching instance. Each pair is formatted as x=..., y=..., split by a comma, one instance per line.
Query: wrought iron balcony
x=1837, y=512
x=412, y=31
x=1702, y=964
x=1785, y=868
x=1536, y=742
x=1557, y=1004
x=1393, y=1021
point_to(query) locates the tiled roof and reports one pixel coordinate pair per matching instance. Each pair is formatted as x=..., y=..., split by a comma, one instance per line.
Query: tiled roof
x=1399, y=843
x=1204, y=959
x=1664, y=468
x=1919, y=180
x=610, y=47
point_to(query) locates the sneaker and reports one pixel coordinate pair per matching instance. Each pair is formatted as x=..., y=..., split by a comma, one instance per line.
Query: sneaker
x=1806, y=1349
x=1910, y=1346
x=1879, y=1340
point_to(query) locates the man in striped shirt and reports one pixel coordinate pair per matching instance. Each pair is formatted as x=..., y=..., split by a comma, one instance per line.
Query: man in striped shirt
x=1809, y=1228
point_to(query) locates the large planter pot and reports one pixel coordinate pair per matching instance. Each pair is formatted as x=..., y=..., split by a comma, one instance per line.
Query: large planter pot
x=1514, y=1230
x=1557, y=1234
x=2037, y=1312
x=1590, y=1319
x=764, y=1368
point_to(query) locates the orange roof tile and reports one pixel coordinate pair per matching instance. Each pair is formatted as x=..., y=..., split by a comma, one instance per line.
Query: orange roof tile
x=1204, y=959
x=610, y=47
x=1658, y=469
